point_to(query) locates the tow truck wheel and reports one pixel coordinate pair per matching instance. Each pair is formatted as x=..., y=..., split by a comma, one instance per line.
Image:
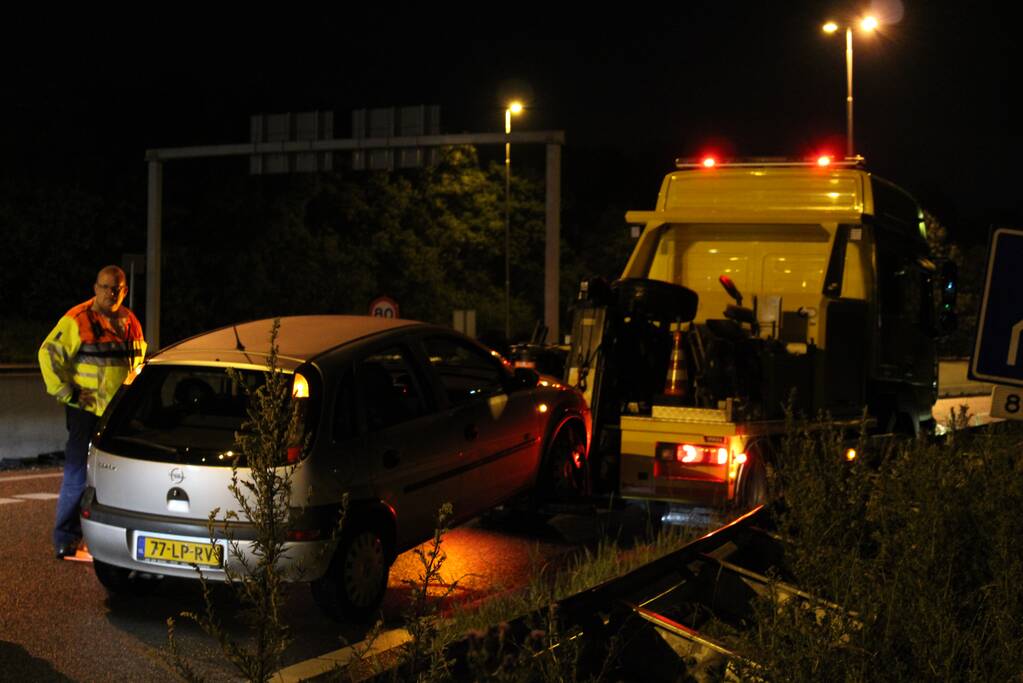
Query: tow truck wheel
x=566, y=471
x=753, y=484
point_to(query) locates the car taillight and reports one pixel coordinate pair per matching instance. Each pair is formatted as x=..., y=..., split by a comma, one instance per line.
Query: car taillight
x=693, y=454
x=300, y=388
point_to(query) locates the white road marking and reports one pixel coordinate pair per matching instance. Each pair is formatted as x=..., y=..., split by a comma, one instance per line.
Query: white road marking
x=32, y=476
x=5, y=501
x=37, y=496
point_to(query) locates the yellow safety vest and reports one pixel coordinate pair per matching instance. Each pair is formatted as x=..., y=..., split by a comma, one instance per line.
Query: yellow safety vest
x=85, y=351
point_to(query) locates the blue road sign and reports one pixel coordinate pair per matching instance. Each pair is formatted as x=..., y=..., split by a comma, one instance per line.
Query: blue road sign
x=998, y=352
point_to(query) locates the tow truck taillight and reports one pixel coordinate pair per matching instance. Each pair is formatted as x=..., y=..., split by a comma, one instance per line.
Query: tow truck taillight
x=692, y=454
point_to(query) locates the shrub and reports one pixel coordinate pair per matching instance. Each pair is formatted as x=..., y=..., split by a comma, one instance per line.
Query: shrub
x=918, y=548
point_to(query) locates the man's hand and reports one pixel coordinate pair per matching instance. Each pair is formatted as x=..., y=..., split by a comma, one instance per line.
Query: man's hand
x=86, y=398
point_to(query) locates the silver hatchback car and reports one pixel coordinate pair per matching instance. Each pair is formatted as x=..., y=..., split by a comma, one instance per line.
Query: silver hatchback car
x=401, y=416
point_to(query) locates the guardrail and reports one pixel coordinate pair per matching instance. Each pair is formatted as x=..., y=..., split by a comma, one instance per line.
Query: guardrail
x=18, y=368
x=31, y=421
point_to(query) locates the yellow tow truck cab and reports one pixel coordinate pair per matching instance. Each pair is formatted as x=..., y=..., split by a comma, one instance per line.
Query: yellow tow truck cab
x=755, y=288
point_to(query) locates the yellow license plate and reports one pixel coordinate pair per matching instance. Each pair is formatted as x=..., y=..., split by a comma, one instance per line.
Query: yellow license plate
x=180, y=552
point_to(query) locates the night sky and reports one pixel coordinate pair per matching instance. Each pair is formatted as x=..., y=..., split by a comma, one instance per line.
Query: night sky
x=637, y=84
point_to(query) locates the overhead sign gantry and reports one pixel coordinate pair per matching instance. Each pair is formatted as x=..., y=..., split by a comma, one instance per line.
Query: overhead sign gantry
x=155, y=158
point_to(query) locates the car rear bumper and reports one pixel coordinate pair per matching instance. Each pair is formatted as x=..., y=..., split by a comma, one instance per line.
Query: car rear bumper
x=112, y=537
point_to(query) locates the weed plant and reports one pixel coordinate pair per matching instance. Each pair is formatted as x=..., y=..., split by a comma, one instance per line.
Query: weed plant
x=264, y=498
x=423, y=657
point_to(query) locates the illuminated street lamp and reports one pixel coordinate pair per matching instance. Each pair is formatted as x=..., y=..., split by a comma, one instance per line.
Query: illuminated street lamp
x=513, y=108
x=866, y=24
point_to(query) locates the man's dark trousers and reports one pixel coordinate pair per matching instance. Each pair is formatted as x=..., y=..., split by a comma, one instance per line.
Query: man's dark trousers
x=67, y=529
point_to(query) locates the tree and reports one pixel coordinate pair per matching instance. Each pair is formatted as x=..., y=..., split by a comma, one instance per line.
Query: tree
x=431, y=238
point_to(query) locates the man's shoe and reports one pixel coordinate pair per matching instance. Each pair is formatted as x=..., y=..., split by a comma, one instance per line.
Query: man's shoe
x=66, y=550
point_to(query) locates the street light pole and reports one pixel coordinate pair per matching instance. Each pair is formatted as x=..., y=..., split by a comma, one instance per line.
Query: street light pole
x=513, y=108
x=866, y=24
x=849, y=147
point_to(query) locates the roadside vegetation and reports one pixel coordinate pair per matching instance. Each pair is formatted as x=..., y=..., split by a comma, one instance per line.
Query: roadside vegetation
x=916, y=542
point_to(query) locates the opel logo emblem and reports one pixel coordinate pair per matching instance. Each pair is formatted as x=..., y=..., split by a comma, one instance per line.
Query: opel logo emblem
x=177, y=475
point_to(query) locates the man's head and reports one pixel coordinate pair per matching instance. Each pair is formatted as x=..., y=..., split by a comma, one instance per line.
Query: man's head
x=110, y=289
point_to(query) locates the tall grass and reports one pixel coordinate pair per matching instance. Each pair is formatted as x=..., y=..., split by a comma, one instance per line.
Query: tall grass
x=918, y=543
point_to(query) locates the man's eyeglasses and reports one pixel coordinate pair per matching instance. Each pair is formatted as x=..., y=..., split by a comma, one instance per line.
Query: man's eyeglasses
x=113, y=289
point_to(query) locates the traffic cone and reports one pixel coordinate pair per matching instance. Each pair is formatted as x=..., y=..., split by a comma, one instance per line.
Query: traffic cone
x=678, y=378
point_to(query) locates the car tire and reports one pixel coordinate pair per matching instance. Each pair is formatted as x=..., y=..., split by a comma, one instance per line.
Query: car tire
x=121, y=581
x=753, y=484
x=355, y=582
x=566, y=471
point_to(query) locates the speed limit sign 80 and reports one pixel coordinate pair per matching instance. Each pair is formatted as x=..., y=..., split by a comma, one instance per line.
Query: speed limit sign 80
x=384, y=307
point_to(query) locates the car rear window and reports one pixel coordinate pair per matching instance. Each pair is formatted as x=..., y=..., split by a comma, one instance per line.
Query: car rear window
x=181, y=414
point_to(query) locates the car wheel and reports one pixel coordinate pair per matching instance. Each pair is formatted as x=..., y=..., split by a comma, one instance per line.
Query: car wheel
x=353, y=586
x=121, y=581
x=566, y=470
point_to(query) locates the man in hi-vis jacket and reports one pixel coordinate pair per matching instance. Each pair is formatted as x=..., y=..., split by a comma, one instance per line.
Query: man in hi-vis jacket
x=84, y=360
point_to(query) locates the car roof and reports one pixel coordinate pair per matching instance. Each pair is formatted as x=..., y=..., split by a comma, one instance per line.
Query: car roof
x=301, y=338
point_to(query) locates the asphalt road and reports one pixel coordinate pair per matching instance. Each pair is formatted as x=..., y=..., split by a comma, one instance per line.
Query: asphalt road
x=58, y=624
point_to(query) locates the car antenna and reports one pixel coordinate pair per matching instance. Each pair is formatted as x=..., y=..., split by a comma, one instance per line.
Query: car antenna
x=240, y=346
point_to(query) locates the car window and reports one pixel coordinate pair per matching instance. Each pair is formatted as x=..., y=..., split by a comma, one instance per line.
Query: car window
x=181, y=414
x=390, y=389
x=465, y=371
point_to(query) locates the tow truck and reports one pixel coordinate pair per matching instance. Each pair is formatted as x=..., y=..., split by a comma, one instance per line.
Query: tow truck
x=756, y=290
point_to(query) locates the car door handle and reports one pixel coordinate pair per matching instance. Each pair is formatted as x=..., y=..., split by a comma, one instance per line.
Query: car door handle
x=391, y=459
x=471, y=432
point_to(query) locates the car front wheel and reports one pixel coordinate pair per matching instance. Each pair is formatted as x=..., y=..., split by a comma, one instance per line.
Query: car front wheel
x=355, y=582
x=566, y=470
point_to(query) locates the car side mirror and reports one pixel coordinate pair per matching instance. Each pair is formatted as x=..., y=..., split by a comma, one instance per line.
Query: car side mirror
x=525, y=378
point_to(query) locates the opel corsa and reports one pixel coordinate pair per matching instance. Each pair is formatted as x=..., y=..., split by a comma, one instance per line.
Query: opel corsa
x=400, y=416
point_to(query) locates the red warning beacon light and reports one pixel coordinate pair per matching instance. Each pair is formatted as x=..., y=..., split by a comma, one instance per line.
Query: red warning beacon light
x=824, y=160
x=709, y=162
